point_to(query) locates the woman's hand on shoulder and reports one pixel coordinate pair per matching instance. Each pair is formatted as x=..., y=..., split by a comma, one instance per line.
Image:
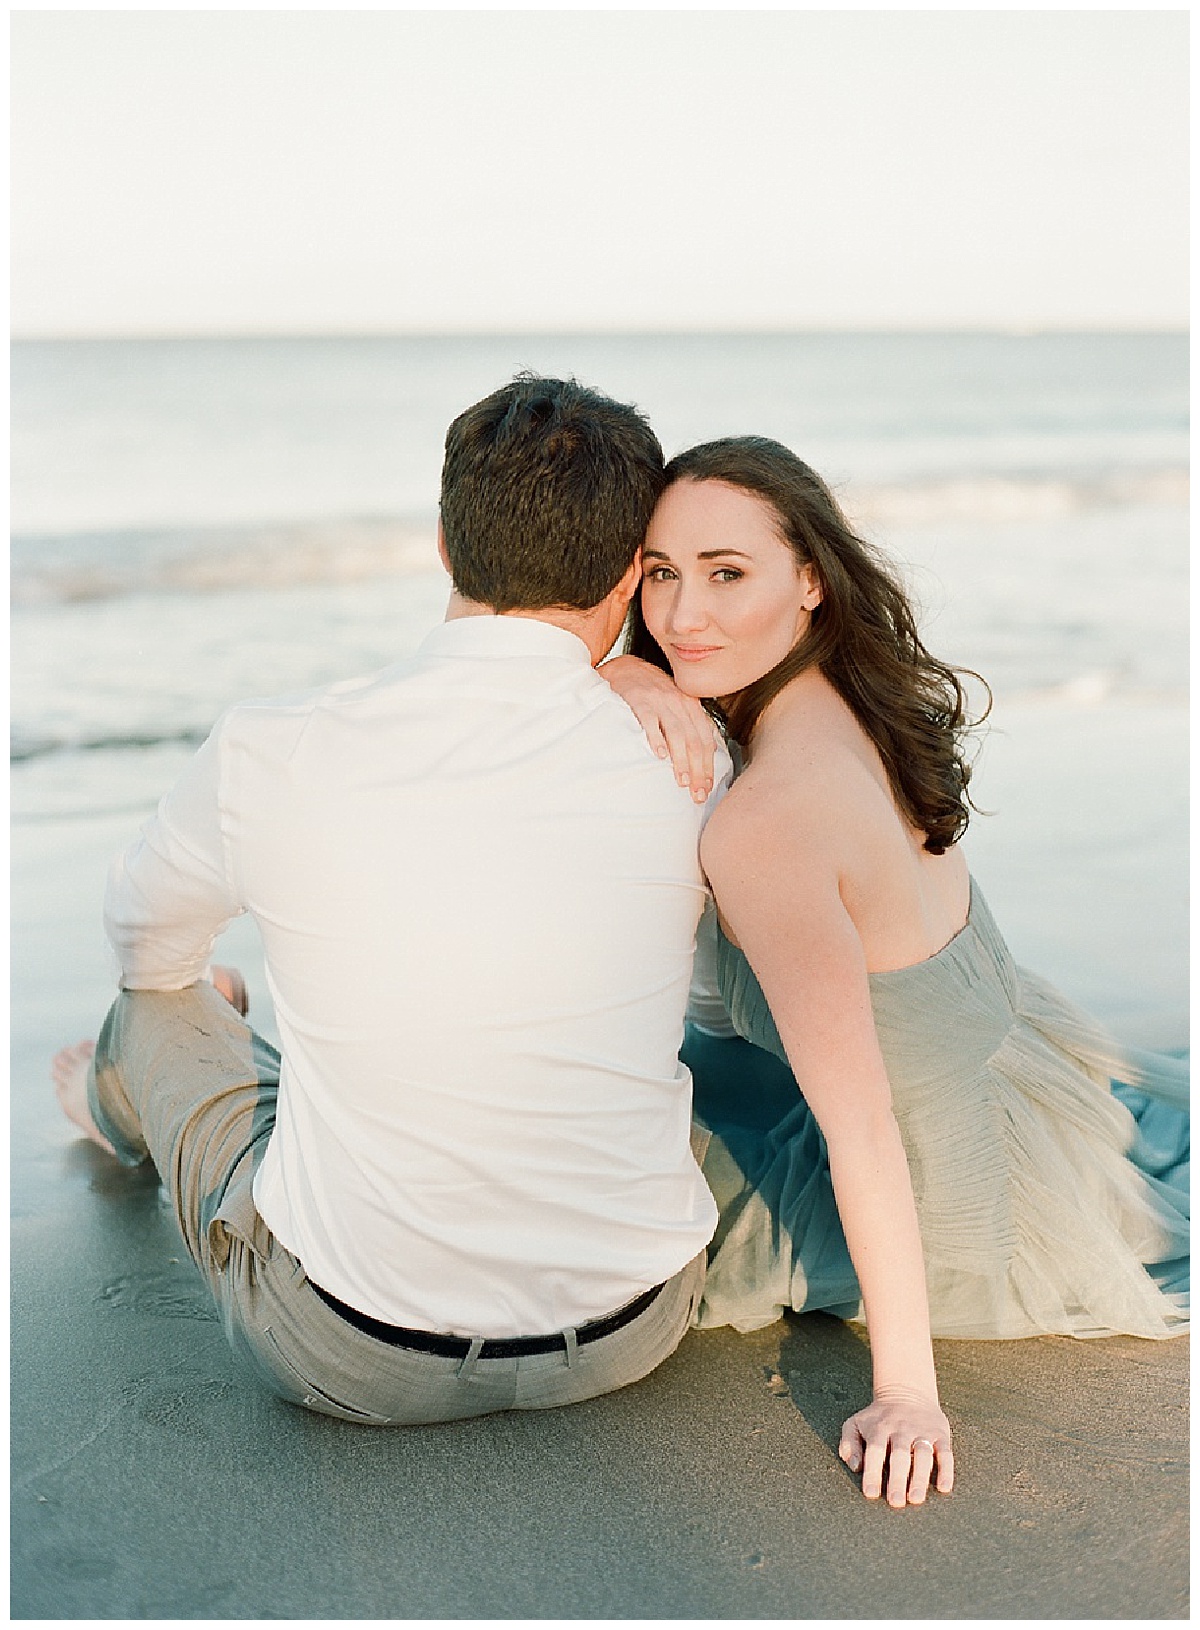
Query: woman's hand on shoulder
x=677, y=726
x=900, y=1442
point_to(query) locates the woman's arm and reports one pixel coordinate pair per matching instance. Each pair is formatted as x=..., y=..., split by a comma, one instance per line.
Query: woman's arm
x=676, y=725
x=785, y=909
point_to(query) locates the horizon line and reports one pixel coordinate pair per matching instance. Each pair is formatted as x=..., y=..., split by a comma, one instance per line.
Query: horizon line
x=1012, y=330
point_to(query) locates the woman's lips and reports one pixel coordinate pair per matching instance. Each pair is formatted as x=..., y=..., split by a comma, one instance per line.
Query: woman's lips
x=694, y=653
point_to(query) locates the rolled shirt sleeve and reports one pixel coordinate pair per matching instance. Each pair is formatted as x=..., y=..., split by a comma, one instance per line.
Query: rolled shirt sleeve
x=170, y=894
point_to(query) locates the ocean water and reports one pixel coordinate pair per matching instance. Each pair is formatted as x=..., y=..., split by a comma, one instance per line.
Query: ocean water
x=198, y=521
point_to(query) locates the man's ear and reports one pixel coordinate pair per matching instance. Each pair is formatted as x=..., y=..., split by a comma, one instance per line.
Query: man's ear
x=442, y=555
x=628, y=586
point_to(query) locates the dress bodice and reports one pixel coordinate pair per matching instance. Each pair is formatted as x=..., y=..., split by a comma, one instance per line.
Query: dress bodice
x=943, y=1015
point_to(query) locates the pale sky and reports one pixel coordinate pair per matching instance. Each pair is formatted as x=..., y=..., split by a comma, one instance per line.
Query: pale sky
x=299, y=171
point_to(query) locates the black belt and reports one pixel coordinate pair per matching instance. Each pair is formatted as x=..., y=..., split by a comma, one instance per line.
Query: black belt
x=428, y=1341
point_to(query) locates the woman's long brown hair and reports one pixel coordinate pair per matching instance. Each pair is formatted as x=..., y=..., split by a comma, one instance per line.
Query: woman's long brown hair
x=863, y=637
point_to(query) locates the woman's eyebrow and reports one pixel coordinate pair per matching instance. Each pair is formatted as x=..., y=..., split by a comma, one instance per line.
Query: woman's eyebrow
x=702, y=554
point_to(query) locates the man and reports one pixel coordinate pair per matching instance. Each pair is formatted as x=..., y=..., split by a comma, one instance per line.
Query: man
x=466, y=1183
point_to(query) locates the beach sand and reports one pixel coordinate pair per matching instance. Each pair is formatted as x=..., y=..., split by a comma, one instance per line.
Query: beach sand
x=152, y=1480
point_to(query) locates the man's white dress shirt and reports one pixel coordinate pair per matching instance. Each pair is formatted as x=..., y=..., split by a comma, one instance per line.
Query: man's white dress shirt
x=478, y=891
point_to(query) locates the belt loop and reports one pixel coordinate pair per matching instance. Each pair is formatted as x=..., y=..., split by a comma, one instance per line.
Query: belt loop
x=469, y=1362
x=572, y=1345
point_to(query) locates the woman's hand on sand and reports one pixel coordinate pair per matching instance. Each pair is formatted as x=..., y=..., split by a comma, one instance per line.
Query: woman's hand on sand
x=896, y=1443
x=676, y=726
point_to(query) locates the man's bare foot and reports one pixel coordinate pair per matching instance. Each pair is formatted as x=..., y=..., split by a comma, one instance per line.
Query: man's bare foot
x=70, y=1073
x=231, y=986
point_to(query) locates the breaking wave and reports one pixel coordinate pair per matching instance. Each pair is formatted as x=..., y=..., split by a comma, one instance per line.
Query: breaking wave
x=100, y=565
x=24, y=747
x=984, y=499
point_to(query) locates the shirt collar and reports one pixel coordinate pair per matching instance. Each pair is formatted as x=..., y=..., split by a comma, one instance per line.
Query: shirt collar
x=506, y=636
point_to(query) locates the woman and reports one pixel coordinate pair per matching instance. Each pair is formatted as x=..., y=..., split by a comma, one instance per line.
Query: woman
x=959, y=1157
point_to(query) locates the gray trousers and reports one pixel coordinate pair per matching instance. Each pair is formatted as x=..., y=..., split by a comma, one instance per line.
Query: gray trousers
x=180, y=1078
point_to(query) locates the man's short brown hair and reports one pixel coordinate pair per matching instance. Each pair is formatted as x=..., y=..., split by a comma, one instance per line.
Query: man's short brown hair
x=547, y=491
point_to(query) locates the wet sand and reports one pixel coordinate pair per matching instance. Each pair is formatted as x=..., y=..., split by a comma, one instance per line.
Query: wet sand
x=152, y=1481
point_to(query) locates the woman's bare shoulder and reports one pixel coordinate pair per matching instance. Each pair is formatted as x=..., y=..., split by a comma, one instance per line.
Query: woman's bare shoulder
x=785, y=811
x=817, y=780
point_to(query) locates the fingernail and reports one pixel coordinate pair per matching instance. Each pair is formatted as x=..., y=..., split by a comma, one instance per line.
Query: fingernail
x=685, y=779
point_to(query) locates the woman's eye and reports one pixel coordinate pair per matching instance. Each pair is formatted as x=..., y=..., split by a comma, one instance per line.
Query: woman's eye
x=658, y=574
x=727, y=574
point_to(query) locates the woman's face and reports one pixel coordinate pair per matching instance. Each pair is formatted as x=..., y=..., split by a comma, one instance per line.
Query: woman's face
x=722, y=593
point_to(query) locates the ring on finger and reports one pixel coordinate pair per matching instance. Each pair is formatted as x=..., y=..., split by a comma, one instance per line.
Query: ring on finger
x=919, y=1443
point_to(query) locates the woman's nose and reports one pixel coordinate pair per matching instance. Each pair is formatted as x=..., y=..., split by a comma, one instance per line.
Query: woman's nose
x=688, y=613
